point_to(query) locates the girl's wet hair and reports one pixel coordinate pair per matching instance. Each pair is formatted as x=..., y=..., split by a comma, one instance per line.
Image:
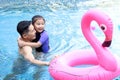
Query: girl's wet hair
x=36, y=17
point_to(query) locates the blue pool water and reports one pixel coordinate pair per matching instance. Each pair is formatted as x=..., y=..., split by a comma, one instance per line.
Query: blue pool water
x=63, y=26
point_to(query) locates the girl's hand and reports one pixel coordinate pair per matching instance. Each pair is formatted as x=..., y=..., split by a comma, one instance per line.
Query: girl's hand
x=21, y=43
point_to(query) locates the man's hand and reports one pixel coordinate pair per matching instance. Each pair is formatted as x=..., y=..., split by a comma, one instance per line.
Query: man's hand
x=47, y=64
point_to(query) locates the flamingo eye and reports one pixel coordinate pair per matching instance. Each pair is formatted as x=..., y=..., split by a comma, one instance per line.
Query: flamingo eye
x=103, y=27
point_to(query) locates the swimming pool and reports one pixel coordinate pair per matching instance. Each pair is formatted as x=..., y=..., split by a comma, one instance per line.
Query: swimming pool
x=63, y=26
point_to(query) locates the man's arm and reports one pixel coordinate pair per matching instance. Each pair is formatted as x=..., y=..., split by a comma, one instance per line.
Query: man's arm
x=27, y=53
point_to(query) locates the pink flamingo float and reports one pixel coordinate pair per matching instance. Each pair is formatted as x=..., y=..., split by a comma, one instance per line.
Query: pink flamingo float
x=105, y=66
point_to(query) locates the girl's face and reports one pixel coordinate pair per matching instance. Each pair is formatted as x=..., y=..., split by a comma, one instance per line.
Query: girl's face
x=39, y=25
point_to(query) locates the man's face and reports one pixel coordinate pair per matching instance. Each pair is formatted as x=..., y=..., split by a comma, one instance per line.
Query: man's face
x=31, y=34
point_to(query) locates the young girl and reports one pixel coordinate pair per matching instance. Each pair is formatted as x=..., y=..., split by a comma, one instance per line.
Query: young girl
x=41, y=43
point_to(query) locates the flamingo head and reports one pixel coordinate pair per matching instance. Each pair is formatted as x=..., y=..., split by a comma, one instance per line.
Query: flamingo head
x=108, y=30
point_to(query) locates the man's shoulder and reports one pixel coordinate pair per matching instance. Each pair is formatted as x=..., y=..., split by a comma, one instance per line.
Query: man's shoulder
x=25, y=47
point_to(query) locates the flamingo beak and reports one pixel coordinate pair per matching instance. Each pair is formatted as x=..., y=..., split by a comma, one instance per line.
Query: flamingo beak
x=106, y=43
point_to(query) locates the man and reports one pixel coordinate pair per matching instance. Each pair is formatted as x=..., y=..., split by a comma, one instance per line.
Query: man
x=27, y=33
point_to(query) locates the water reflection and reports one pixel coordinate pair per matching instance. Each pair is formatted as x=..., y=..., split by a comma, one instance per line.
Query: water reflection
x=20, y=66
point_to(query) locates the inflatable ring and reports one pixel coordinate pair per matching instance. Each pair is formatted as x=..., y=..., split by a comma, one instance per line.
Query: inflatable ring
x=105, y=66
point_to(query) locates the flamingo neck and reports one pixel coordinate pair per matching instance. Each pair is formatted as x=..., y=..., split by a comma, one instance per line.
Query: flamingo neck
x=90, y=37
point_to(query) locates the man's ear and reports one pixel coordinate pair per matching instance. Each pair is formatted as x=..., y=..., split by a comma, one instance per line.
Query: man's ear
x=24, y=35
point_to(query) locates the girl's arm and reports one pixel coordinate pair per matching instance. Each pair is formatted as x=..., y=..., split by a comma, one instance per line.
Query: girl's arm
x=32, y=44
x=22, y=43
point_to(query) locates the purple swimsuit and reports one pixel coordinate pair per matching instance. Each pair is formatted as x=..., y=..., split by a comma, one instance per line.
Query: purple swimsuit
x=44, y=39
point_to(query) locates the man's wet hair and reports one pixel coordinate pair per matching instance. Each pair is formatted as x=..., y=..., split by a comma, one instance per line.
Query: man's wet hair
x=23, y=27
